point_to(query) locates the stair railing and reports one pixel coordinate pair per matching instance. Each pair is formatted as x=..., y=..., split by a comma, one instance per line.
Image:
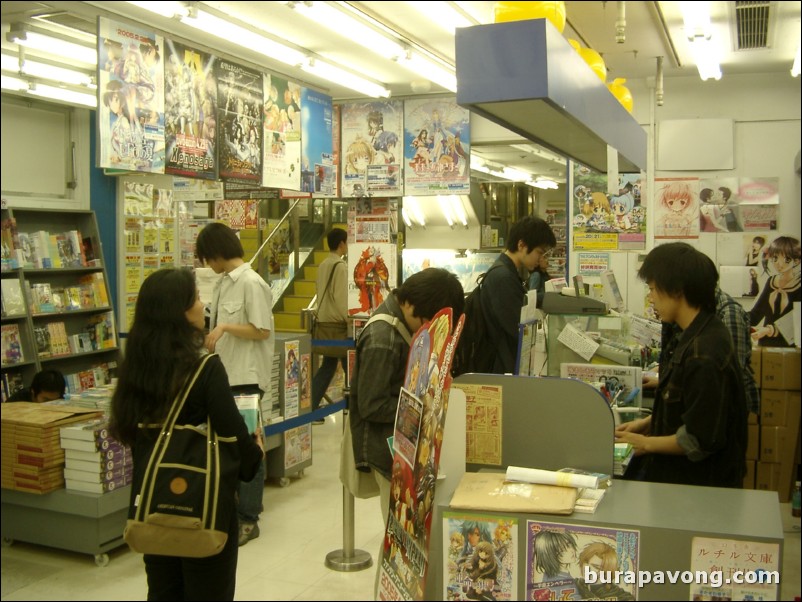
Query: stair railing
x=269, y=236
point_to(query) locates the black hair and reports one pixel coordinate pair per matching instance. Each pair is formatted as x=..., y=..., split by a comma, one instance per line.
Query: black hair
x=705, y=194
x=533, y=232
x=163, y=348
x=431, y=290
x=335, y=237
x=218, y=241
x=677, y=269
x=726, y=193
x=51, y=381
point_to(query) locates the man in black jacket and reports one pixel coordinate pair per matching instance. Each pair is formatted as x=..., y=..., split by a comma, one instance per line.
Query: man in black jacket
x=503, y=291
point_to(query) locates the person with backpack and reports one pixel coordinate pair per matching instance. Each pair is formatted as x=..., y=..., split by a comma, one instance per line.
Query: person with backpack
x=502, y=293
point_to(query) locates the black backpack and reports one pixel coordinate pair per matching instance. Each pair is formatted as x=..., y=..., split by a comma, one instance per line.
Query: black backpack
x=475, y=351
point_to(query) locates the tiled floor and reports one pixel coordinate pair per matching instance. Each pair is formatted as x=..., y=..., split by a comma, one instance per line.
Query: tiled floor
x=301, y=524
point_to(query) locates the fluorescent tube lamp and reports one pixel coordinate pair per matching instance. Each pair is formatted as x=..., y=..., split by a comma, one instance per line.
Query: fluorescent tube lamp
x=8, y=82
x=415, y=210
x=704, y=54
x=63, y=94
x=516, y=174
x=795, y=67
x=458, y=209
x=424, y=67
x=165, y=9
x=696, y=18
x=442, y=14
x=544, y=183
x=446, y=209
x=54, y=46
x=45, y=71
x=344, y=78
x=405, y=216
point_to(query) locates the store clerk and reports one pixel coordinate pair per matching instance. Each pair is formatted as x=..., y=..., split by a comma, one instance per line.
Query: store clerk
x=47, y=385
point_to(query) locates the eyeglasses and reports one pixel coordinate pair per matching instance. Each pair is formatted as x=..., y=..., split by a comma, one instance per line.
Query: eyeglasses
x=547, y=254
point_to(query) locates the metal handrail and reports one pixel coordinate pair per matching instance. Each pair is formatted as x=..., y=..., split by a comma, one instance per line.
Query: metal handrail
x=278, y=225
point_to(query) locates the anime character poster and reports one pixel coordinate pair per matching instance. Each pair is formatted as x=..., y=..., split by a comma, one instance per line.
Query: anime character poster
x=318, y=167
x=190, y=100
x=282, y=133
x=466, y=269
x=306, y=381
x=437, y=147
x=480, y=557
x=405, y=555
x=292, y=373
x=557, y=556
x=676, y=208
x=238, y=122
x=407, y=426
x=718, y=200
x=336, y=146
x=730, y=555
x=620, y=218
x=373, y=275
x=130, y=97
x=371, y=158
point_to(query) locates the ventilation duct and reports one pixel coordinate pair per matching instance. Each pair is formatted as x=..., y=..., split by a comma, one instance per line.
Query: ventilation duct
x=752, y=24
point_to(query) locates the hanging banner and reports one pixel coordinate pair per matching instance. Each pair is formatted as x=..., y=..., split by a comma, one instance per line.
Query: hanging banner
x=437, y=147
x=418, y=434
x=319, y=169
x=371, y=159
x=239, y=115
x=282, y=133
x=130, y=97
x=190, y=93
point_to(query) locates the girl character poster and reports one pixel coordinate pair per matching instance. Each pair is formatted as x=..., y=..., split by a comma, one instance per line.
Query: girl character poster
x=772, y=313
x=676, y=208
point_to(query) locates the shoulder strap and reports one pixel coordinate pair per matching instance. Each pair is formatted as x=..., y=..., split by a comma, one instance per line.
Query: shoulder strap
x=392, y=321
x=181, y=397
x=328, y=282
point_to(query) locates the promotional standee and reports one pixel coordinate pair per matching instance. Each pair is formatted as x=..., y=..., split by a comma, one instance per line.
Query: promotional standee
x=416, y=442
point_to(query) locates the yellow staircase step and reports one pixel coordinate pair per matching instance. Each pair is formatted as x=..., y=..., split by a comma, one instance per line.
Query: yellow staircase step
x=305, y=288
x=310, y=272
x=288, y=321
x=294, y=303
x=320, y=256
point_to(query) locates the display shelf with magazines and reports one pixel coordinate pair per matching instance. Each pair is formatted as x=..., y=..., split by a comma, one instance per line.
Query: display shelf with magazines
x=56, y=310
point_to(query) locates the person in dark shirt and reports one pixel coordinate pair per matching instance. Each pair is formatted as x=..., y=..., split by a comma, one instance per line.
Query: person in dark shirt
x=47, y=385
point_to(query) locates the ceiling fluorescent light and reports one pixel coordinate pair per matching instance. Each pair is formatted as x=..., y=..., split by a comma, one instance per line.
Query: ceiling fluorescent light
x=458, y=209
x=344, y=78
x=8, y=82
x=231, y=32
x=405, y=216
x=54, y=46
x=704, y=54
x=543, y=183
x=45, y=71
x=516, y=174
x=442, y=14
x=165, y=9
x=63, y=94
x=415, y=210
x=795, y=67
x=696, y=18
x=446, y=209
x=427, y=68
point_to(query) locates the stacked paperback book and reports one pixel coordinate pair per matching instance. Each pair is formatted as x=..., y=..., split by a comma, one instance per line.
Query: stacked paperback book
x=94, y=461
x=32, y=456
x=622, y=455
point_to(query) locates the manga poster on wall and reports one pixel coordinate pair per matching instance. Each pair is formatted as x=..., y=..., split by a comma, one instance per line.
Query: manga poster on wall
x=480, y=557
x=373, y=275
x=466, y=269
x=608, y=221
x=417, y=439
x=717, y=205
x=676, y=208
x=318, y=166
x=371, y=159
x=558, y=556
x=437, y=147
x=190, y=98
x=238, y=214
x=239, y=115
x=282, y=133
x=130, y=97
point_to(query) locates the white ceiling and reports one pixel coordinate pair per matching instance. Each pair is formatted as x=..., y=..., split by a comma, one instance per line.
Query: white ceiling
x=653, y=29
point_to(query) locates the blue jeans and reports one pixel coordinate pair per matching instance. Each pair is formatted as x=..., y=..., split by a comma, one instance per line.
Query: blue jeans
x=250, y=493
x=323, y=377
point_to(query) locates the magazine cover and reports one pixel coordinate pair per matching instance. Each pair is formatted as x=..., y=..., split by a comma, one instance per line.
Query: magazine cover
x=480, y=557
x=282, y=133
x=558, y=555
x=130, y=97
x=437, y=147
x=405, y=557
x=190, y=92
x=238, y=122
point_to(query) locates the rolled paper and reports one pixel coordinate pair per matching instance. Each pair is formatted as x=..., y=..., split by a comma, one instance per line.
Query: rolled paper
x=550, y=477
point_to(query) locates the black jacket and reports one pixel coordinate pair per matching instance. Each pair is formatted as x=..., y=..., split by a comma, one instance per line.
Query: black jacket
x=503, y=296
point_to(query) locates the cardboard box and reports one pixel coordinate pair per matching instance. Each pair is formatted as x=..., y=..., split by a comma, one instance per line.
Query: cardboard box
x=773, y=443
x=749, y=479
x=756, y=362
x=767, y=476
x=780, y=408
x=780, y=368
x=753, y=418
x=753, y=442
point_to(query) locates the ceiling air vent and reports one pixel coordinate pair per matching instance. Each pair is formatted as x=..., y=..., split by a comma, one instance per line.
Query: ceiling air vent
x=752, y=24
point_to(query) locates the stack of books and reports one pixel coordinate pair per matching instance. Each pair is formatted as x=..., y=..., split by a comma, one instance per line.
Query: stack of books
x=32, y=457
x=94, y=461
x=588, y=498
x=622, y=455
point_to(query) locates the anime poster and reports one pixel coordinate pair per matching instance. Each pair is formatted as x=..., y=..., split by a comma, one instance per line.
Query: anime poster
x=437, y=147
x=282, y=133
x=607, y=221
x=297, y=446
x=728, y=556
x=772, y=314
x=619, y=385
x=130, y=97
x=239, y=215
x=747, y=249
x=405, y=556
x=292, y=373
x=336, y=144
x=278, y=249
x=371, y=159
x=480, y=557
x=190, y=100
x=374, y=275
x=718, y=200
x=306, y=381
x=557, y=556
x=239, y=115
x=467, y=269
x=318, y=166
x=676, y=208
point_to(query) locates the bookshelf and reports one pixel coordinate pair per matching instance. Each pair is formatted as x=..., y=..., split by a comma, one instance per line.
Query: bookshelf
x=56, y=311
